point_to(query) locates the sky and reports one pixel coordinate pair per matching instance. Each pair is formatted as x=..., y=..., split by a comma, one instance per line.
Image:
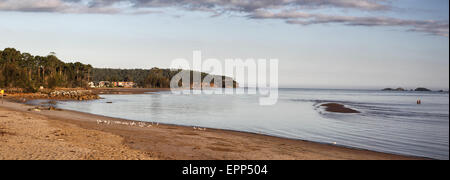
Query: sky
x=367, y=44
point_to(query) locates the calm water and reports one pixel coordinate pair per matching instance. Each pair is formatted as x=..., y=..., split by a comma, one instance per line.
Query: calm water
x=390, y=121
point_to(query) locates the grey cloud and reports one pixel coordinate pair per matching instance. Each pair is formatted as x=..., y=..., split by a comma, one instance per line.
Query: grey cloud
x=252, y=5
x=439, y=28
x=210, y=5
x=291, y=11
x=59, y=6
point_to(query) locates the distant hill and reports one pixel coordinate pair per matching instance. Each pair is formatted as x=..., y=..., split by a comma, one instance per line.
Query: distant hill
x=148, y=78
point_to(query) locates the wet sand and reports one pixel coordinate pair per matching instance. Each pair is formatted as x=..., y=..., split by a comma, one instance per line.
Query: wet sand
x=74, y=135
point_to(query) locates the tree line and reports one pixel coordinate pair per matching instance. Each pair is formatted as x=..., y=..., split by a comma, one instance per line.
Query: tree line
x=23, y=70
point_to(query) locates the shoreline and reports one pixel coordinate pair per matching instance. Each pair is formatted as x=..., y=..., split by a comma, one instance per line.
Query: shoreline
x=163, y=141
x=75, y=94
x=100, y=91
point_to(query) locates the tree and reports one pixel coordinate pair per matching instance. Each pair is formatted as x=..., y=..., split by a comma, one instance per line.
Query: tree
x=22, y=70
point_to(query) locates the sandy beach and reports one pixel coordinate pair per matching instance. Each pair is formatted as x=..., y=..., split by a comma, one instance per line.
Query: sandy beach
x=62, y=134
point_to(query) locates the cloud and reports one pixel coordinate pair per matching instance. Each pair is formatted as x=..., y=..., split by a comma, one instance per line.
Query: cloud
x=439, y=28
x=30, y=5
x=252, y=5
x=291, y=11
x=61, y=6
x=207, y=5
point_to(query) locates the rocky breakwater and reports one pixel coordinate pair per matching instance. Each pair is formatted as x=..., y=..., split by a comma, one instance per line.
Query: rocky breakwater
x=79, y=95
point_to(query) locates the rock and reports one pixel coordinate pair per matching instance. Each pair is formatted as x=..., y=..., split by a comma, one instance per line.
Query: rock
x=79, y=95
x=421, y=89
x=390, y=89
x=338, y=108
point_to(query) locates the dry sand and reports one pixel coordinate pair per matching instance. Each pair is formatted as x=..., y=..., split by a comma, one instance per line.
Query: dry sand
x=73, y=135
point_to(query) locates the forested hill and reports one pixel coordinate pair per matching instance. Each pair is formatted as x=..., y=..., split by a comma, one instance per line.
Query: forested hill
x=148, y=78
x=28, y=72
